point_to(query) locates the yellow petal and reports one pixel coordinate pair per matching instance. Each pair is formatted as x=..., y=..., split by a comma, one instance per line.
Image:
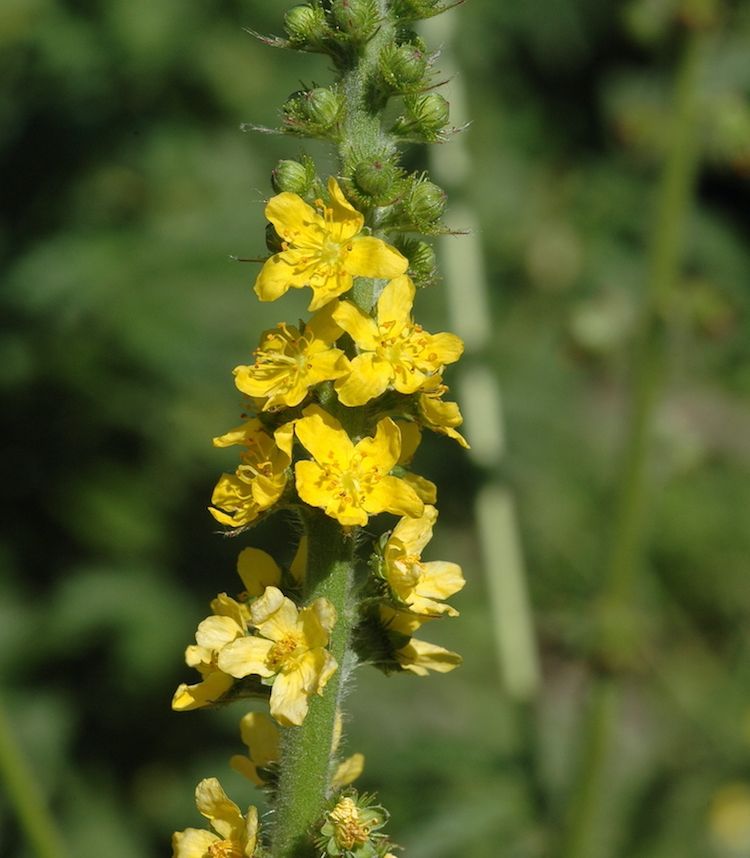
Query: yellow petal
x=347, y=221
x=394, y=495
x=443, y=348
x=192, y=843
x=293, y=219
x=257, y=570
x=395, y=304
x=425, y=489
x=216, y=806
x=284, y=438
x=274, y=615
x=368, y=377
x=317, y=621
x=414, y=533
x=440, y=579
x=348, y=771
x=371, y=257
x=247, y=768
x=411, y=436
x=360, y=327
x=215, y=632
x=299, y=562
x=246, y=656
x=383, y=450
x=289, y=702
x=225, y=606
x=213, y=687
x=323, y=326
x=239, y=434
x=403, y=622
x=326, y=288
x=261, y=736
x=419, y=657
x=251, y=831
x=275, y=278
x=322, y=435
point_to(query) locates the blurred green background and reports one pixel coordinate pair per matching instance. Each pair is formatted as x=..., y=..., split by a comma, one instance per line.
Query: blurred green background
x=127, y=185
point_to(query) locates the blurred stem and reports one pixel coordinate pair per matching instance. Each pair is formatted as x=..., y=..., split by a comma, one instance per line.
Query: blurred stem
x=617, y=639
x=25, y=797
x=306, y=753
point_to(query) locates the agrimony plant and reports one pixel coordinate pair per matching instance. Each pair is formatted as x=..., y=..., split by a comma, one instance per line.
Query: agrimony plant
x=336, y=406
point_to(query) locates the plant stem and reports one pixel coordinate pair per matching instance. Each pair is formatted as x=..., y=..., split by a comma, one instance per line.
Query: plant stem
x=306, y=751
x=25, y=797
x=674, y=198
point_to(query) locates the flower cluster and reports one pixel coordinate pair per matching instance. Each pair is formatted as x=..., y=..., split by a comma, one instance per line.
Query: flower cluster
x=335, y=407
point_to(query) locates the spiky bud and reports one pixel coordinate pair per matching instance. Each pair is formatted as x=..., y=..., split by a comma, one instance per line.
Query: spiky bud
x=426, y=117
x=413, y=10
x=425, y=204
x=312, y=111
x=306, y=26
x=422, y=260
x=293, y=176
x=377, y=179
x=402, y=67
x=358, y=19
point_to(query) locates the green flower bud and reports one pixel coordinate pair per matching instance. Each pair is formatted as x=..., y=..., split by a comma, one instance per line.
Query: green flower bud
x=312, y=111
x=377, y=179
x=426, y=118
x=357, y=18
x=305, y=25
x=292, y=176
x=413, y=10
x=422, y=260
x=425, y=204
x=403, y=67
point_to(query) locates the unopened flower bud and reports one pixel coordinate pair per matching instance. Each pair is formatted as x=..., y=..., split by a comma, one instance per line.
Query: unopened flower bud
x=403, y=67
x=377, y=179
x=305, y=25
x=426, y=117
x=357, y=18
x=413, y=10
x=314, y=110
x=425, y=204
x=422, y=260
x=292, y=176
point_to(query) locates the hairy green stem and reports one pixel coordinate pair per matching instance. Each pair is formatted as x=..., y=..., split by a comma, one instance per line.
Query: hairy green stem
x=306, y=752
x=674, y=200
x=25, y=797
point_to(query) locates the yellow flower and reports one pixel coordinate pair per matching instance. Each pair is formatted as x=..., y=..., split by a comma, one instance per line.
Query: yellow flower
x=439, y=416
x=261, y=736
x=393, y=350
x=257, y=570
x=288, y=362
x=290, y=647
x=322, y=249
x=420, y=657
x=414, y=583
x=351, y=481
x=236, y=835
x=228, y=622
x=260, y=479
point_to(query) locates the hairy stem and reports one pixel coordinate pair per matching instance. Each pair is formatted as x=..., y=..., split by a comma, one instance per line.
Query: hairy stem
x=306, y=751
x=674, y=199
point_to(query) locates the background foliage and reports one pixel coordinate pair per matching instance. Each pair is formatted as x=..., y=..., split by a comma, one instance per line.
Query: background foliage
x=126, y=187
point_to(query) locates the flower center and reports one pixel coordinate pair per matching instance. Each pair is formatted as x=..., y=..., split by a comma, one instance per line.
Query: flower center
x=330, y=252
x=281, y=652
x=225, y=849
x=406, y=572
x=348, y=830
